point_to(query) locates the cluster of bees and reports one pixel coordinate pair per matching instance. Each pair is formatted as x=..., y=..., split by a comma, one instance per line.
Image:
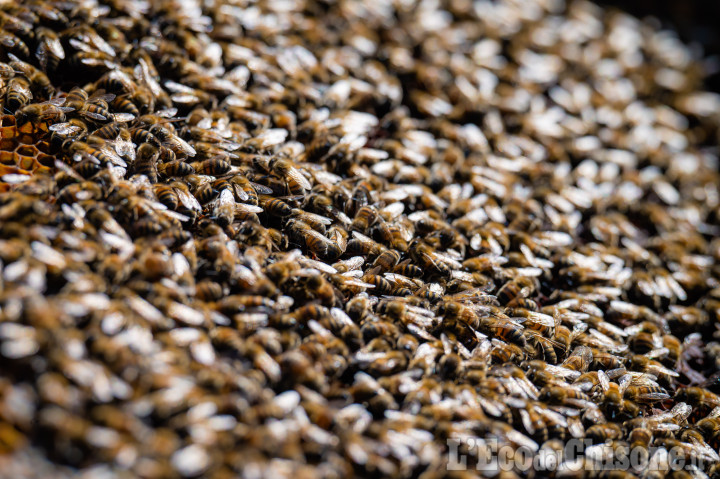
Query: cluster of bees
x=328, y=238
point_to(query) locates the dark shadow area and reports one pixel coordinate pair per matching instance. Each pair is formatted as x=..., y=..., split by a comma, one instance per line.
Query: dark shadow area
x=696, y=21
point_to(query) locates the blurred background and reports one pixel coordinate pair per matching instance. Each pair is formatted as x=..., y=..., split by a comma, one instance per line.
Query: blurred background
x=697, y=21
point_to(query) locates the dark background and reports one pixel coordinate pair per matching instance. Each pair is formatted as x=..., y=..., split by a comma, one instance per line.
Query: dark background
x=696, y=21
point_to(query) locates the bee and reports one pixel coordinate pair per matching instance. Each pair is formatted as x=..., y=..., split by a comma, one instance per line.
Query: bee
x=87, y=168
x=224, y=208
x=316, y=222
x=18, y=93
x=697, y=396
x=14, y=43
x=109, y=131
x=646, y=393
x=504, y=353
x=17, y=25
x=364, y=219
x=606, y=361
x=579, y=360
x=613, y=401
x=544, y=346
x=247, y=191
x=523, y=303
x=166, y=195
x=74, y=128
x=416, y=317
x=275, y=207
x=382, y=285
x=431, y=260
x=320, y=245
x=163, y=134
x=175, y=168
x=363, y=245
x=39, y=81
x=49, y=49
x=518, y=288
x=140, y=135
x=146, y=162
x=48, y=111
x=214, y=167
x=408, y=269
x=600, y=433
x=294, y=180
x=93, y=107
x=565, y=337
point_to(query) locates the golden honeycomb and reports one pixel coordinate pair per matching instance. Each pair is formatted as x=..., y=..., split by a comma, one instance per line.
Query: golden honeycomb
x=24, y=149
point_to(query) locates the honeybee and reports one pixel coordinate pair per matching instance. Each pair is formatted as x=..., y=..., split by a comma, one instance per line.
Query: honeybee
x=504, y=353
x=39, y=81
x=385, y=261
x=320, y=245
x=213, y=167
x=646, y=393
x=697, y=396
x=613, y=402
x=14, y=43
x=74, y=128
x=146, y=162
x=166, y=195
x=364, y=219
x=544, y=347
x=431, y=260
x=48, y=111
x=296, y=183
x=381, y=285
x=363, y=245
x=49, y=49
x=579, y=360
x=275, y=207
x=519, y=288
x=408, y=269
x=169, y=139
x=175, y=168
x=316, y=222
x=247, y=191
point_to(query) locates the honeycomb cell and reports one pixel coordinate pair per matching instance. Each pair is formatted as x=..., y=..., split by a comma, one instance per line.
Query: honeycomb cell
x=7, y=127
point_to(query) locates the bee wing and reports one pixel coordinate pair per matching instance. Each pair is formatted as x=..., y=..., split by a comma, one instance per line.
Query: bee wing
x=167, y=113
x=183, y=145
x=624, y=382
x=321, y=219
x=57, y=102
x=659, y=369
x=64, y=128
x=319, y=265
x=295, y=174
x=188, y=200
x=240, y=193
x=544, y=319
x=123, y=117
x=94, y=116
x=654, y=396
x=125, y=148
x=54, y=46
x=247, y=208
x=261, y=189
x=353, y=263
x=176, y=215
x=226, y=198
x=100, y=95
x=272, y=137
x=604, y=381
x=14, y=178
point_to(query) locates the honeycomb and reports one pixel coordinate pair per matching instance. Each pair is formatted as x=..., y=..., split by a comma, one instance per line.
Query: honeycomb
x=23, y=149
